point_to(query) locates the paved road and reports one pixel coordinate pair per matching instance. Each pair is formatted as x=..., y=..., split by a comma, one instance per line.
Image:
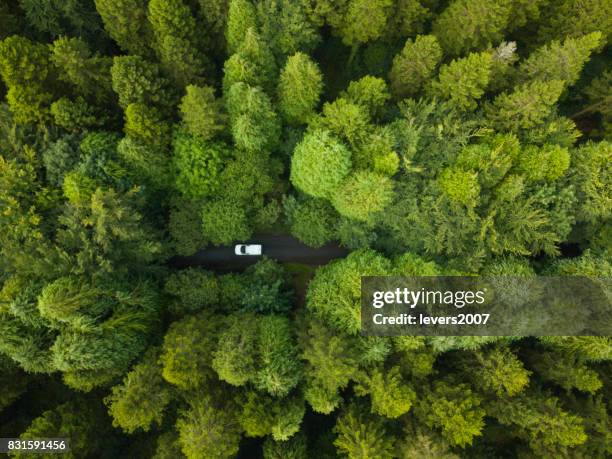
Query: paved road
x=280, y=248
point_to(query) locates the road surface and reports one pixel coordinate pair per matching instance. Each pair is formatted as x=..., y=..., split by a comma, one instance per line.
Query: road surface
x=280, y=248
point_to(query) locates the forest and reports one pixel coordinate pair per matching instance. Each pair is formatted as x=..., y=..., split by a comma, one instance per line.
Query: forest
x=426, y=137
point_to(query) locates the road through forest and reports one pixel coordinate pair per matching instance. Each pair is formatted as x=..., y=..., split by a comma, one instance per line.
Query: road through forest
x=281, y=248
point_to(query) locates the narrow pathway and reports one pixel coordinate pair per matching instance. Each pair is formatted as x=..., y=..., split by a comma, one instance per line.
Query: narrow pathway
x=280, y=248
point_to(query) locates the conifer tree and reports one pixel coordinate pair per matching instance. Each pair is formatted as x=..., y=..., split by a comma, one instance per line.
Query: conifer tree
x=140, y=401
x=414, y=65
x=126, y=23
x=574, y=18
x=467, y=25
x=27, y=72
x=202, y=112
x=362, y=435
x=174, y=29
x=463, y=81
x=241, y=17
x=526, y=107
x=299, y=88
x=556, y=61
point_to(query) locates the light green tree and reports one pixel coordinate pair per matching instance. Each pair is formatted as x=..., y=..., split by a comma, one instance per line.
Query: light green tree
x=202, y=112
x=319, y=164
x=126, y=23
x=299, y=88
x=362, y=195
x=463, y=81
x=414, y=66
x=467, y=25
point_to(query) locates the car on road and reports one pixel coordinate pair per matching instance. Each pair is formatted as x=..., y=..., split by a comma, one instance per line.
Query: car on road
x=248, y=249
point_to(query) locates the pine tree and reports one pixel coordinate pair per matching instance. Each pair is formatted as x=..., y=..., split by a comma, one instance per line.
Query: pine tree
x=365, y=21
x=27, y=72
x=414, y=66
x=286, y=28
x=208, y=428
x=362, y=195
x=126, y=22
x=187, y=351
x=556, y=61
x=255, y=126
x=360, y=435
x=369, y=92
x=334, y=293
x=467, y=25
x=574, y=18
x=197, y=164
x=174, y=28
x=312, y=221
x=202, y=112
x=136, y=80
x=241, y=17
x=390, y=395
x=89, y=74
x=253, y=64
x=526, y=107
x=454, y=409
x=140, y=400
x=463, y=81
x=299, y=88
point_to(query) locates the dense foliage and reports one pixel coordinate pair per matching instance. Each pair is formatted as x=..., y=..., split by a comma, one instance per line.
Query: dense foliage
x=428, y=137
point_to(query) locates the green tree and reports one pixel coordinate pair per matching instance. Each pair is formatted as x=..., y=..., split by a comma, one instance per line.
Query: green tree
x=81, y=420
x=89, y=74
x=241, y=17
x=197, y=164
x=265, y=354
x=141, y=399
x=414, y=66
x=147, y=125
x=319, y=164
x=369, y=92
x=591, y=175
x=463, y=81
x=265, y=415
x=136, y=80
x=362, y=195
x=360, y=435
x=26, y=69
x=331, y=362
x=574, y=18
x=334, y=293
x=126, y=23
x=76, y=115
x=390, y=395
x=286, y=28
x=454, y=409
x=526, y=107
x=299, y=88
x=467, y=25
x=294, y=448
x=253, y=64
x=556, y=61
x=255, y=126
x=174, y=28
x=202, y=112
x=538, y=419
x=365, y=21
x=312, y=221
x=208, y=428
x=187, y=351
